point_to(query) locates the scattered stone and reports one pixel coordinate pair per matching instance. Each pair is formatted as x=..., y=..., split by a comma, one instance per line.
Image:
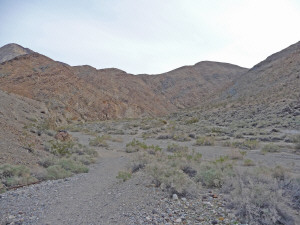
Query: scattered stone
x=174, y=197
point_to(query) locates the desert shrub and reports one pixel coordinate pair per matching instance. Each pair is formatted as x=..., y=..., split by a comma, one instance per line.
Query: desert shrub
x=135, y=146
x=248, y=144
x=270, y=148
x=292, y=190
x=255, y=196
x=296, y=140
x=136, y=167
x=84, y=159
x=72, y=166
x=171, y=179
x=248, y=162
x=164, y=136
x=191, y=121
x=124, y=175
x=213, y=174
x=61, y=148
x=191, y=172
x=100, y=141
x=226, y=144
x=210, y=176
x=2, y=188
x=176, y=148
x=14, y=175
x=205, y=141
x=84, y=150
x=57, y=172
x=181, y=137
x=236, y=154
x=46, y=162
x=238, y=135
x=217, y=130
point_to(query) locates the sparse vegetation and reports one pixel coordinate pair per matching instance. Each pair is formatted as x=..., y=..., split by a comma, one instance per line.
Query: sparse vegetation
x=247, y=144
x=248, y=162
x=193, y=120
x=205, y=141
x=14, y=175
x=270, y=148
x=177, y=148
x=100, y=141
x=136, y=145
x=124, y=175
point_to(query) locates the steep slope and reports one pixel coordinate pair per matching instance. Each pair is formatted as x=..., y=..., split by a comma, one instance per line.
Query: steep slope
x=10, y=51
x=127, y=88
x=15, y=113
x=84, y=93
x=192, y=85
x=69, y=97
x=275, y=79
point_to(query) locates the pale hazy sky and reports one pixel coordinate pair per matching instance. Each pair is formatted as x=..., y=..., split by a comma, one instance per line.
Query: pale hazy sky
x=151, y=36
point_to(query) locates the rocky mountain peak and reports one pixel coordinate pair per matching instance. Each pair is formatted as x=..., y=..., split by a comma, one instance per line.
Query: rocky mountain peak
x=12, y=50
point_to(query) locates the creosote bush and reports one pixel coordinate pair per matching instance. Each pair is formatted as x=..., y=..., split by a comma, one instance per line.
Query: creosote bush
x=136, y=145
x=205, y=141
x=14, y=175
x=257, y=195
x=270, y=148
x=124, y=175
x=100, y=141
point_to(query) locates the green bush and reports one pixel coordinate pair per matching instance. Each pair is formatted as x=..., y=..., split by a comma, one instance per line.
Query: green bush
x=193, y=120
x=210, y=176
x=205, y=141
x=296, y=140
x=124, y=176
x=100, y=141
x=73, y=166
x=248, y=162
x=57, y=172
x=14, y=175
x=61, y=148
x=135, y=146
x=248, y=144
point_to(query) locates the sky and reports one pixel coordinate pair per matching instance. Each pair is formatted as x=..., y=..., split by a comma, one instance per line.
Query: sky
x=151, y=36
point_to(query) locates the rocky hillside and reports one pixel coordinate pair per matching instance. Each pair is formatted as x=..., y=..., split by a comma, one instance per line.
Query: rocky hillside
x=85, y=93
x=16, y=142
x=126, y=88
x=65, y=94
x=275, y=79
x=11, y=51
x=190, y=86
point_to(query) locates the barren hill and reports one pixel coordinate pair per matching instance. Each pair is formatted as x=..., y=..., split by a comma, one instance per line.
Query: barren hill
x=85, y=93
x=15, y=113
x=38, y=77
x=190, y=86
x=276, y=78
x=10, y=51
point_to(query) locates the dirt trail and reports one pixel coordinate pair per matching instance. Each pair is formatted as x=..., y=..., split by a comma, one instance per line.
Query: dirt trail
x=82, y=199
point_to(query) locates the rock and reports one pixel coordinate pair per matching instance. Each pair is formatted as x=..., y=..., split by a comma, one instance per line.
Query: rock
x=175, y=197
x=11, y=217
x=63, y=135
x=179, y=220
